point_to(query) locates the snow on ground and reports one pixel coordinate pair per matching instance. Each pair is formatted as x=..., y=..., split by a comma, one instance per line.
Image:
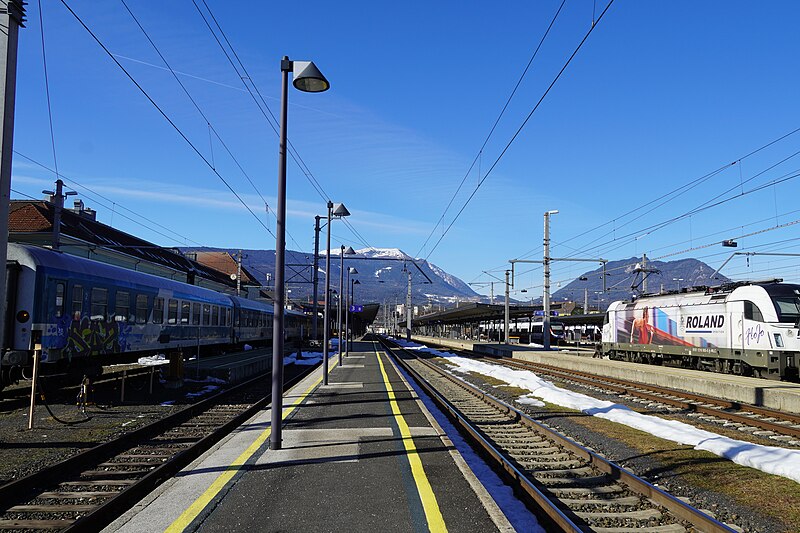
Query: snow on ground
x=202, y=392
x=770, y=459
x=153, y=360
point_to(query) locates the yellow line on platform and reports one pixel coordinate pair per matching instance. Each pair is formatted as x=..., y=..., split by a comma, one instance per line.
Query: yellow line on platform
x=429, y=504
x=194, y=510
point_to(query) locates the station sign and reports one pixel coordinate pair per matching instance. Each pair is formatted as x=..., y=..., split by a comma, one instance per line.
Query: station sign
x=356, y=308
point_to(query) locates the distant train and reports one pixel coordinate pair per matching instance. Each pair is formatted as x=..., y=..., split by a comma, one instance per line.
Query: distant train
x=80, y=314
x=744, y=328
x=530, y=331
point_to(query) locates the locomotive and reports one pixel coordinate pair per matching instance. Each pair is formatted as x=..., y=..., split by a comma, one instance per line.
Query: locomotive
x=78, y=314
x=744, y=328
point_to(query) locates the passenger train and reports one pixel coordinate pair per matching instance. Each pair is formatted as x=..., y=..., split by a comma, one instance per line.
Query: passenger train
x=79, y=314
x=744, y=328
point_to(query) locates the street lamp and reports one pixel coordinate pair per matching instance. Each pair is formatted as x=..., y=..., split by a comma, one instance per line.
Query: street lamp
x=344, y=251
x=679, y=282
x=350, y=270
x=546, y=294
x=307, y=78
x=337, y=211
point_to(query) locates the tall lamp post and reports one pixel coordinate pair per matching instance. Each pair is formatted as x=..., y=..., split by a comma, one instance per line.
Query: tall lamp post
x=307, y=78
x=546, y=294
x=337, y=211
x=350, y=270
x=352, y=297
x=342, y=294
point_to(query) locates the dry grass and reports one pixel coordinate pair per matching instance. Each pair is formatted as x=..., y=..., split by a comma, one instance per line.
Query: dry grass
x=773, y=496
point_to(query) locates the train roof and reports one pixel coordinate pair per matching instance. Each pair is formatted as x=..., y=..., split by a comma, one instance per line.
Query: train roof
x=33, y=256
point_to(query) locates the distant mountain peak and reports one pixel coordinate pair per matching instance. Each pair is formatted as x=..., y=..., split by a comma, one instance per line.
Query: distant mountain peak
x=387, y=253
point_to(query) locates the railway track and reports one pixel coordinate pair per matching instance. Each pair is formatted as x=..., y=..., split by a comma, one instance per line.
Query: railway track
x=91, y=489
x=778, y=423
x=569, y=487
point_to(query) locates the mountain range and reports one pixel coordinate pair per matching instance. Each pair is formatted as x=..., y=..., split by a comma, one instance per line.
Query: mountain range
x=383, y=277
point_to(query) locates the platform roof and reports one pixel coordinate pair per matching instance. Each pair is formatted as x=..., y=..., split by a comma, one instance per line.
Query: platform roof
x=476, y=312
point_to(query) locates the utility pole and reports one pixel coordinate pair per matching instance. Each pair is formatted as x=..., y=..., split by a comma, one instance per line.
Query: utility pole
x=507, y=314
x=315, y=278
x=239, y=274
x=644, y=269
x=57, y=198
x=546, y=295
x=408, y=308
x=586, y=301
x=12, y=17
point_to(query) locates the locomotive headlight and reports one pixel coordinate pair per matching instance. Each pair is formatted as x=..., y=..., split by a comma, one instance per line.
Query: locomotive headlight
x=23, y=316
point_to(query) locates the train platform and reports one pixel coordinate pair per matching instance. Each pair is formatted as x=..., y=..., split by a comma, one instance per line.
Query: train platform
x=780, y=395
x=363, y=453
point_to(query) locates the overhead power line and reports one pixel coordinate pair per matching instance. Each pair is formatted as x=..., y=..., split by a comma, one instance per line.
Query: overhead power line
x=164, y=114
x=521, y=127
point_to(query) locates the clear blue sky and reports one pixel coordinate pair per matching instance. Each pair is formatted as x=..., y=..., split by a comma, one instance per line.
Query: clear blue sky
x=659, y=95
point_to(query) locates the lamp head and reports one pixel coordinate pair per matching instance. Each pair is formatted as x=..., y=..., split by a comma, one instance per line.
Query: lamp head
x=349, y=251
x=308, y=78
x=352, y=270
x=339, y=210
x=356, y=282
x=553, y=212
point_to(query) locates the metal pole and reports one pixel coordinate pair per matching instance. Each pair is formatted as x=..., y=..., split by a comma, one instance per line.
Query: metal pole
x=36, y=356
x=341, y=295
x=315, y=278
x=586, y=301
x=239, y=267
x=58, y=203
x=280, y=244
x=11, y=19
x=546, y=294
x=408, y=309
x=507, y=314
x=326, y=319
x=348, y=303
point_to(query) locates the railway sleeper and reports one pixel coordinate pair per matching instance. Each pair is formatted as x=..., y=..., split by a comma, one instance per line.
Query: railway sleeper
x=624, y=501
x=575, y=481
x=578, y=473
x=642, y=515
x=36, y=524
x=664, y=528
x=546, y=465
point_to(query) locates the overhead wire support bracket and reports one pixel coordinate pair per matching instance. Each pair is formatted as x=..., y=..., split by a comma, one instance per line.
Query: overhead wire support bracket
x=578, y=259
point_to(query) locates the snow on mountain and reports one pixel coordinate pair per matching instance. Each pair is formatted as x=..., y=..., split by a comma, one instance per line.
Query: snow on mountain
x=386, y=253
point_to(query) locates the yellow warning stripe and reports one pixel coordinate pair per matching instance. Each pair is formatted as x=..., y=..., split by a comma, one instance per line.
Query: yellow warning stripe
x=429, y=503
x=194, y=510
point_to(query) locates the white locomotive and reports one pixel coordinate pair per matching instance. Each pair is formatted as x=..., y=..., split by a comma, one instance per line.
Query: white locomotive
x=745, y=328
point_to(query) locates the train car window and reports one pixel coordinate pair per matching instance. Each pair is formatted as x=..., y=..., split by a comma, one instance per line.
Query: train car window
x=77, y=301
x=99, y=303
x=122, y=307
x=227, y=316
x=752, y=312
x=158, y=310
x=185, y=312
x=141, y=308
x=215, y=315
x=206, y=314
x=788, y=308
x=60, y=290
x=196, y=314
x=172, y=311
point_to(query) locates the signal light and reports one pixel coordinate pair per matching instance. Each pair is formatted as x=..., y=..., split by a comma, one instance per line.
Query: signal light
x=23, y=316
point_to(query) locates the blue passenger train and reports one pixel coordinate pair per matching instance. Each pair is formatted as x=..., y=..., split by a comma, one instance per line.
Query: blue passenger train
x=80, y=314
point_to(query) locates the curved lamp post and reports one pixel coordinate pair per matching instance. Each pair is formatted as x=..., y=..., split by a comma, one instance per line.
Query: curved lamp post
x=344, y=251
x=307, y=78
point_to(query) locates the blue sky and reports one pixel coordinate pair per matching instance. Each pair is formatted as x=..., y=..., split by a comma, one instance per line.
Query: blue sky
x=660, y=94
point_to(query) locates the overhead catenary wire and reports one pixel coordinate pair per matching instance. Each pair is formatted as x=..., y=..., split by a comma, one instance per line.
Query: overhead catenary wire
x=211, y=127
x=244, y=76
x=494, y=126
x=521, y=127
x=164, y=114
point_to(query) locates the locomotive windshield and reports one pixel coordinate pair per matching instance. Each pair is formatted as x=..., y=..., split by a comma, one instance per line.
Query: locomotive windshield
x=787, y=301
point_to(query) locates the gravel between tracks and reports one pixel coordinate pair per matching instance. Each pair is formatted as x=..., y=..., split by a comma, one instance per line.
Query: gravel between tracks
x=641, y=464
x=23, y=451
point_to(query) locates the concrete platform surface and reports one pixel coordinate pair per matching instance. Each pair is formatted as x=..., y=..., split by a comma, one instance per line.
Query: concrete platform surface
x=781, y=395
x=360, y=454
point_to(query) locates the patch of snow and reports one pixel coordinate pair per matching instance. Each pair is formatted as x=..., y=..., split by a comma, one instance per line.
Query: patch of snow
x=528, y=400
x=770, y=459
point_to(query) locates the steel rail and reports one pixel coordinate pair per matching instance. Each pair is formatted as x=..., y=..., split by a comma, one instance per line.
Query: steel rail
x=104, y=513
x=674, y=505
